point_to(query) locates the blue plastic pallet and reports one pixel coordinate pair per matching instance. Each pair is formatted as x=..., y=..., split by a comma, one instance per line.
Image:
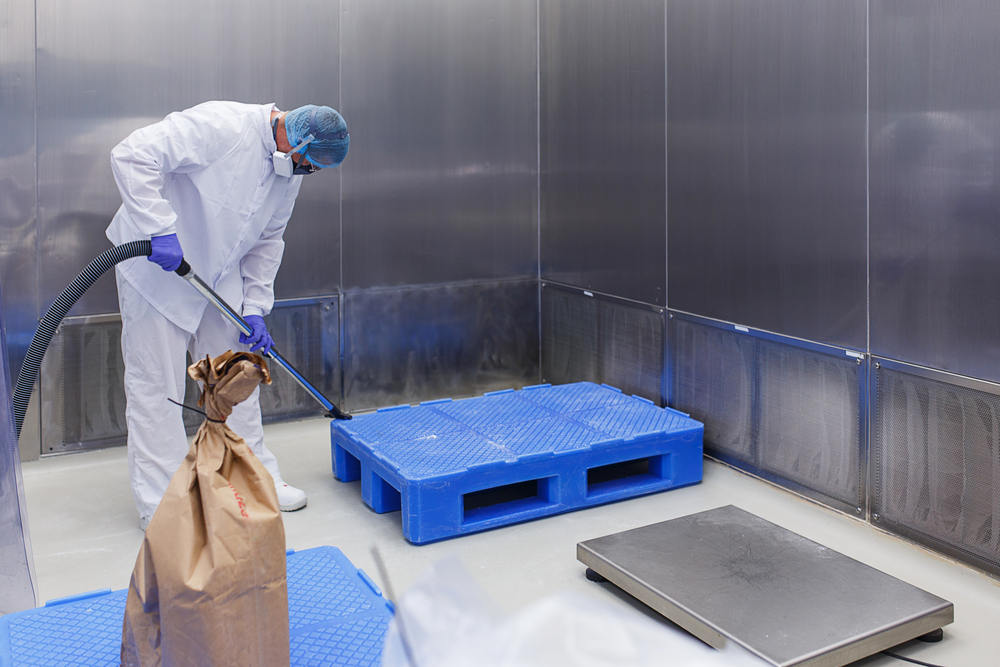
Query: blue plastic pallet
x=457, y=467
x=336, y=614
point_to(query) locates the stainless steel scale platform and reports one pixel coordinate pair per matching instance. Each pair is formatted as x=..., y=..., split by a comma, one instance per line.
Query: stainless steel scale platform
x=726, y=574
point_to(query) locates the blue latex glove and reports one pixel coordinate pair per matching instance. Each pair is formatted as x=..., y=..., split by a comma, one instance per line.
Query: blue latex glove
x=167, y=252
x=259, y=339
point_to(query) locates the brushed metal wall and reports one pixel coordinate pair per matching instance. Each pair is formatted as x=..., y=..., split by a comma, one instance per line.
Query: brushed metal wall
x=767, y=165
x=423, y=343
x=935, y=191
x=601, y=144
x=107, y=68
x=18, y=259
x=440, y=185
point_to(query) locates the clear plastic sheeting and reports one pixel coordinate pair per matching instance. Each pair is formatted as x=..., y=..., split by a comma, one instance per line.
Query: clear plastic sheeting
x=448, y=622
x=17, y=567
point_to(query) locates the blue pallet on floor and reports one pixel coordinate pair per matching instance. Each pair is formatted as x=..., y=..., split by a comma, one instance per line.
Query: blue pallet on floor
x=457, y=467
x=336, y=615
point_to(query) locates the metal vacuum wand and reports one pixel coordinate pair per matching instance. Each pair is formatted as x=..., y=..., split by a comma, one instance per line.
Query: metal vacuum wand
x=185, y=272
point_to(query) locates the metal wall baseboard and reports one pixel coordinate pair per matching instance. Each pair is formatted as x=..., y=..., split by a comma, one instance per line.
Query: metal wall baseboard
x=83, y=395
x=787, y=410
x=421, y=343
x=935, y=460
x=588, y=336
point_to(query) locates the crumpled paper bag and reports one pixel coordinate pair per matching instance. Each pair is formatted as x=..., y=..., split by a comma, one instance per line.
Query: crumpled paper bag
x=209, y=586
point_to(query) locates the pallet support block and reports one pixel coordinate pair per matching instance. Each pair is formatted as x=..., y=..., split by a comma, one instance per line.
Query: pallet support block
x=456, y=467
x=381, y=496
x=346, y=466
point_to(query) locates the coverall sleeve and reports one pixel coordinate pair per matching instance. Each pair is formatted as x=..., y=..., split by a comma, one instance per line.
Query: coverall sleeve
x=260, y=265
x=184, y=141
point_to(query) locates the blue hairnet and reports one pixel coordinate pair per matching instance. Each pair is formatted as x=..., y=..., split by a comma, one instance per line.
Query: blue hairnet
x=329, y=148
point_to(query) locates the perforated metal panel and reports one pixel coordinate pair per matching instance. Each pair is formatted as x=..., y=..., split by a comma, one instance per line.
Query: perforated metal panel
x=602, y=339
x=84, y=396
x=93, y=392
x=713, y=380
x=810, y=419
x=783, y=409
x=936, y=461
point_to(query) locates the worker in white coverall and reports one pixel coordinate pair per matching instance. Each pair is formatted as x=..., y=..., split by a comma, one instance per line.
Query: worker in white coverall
x=214, y=184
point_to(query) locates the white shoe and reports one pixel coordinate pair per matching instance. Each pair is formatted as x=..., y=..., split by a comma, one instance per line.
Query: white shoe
x=290, y=498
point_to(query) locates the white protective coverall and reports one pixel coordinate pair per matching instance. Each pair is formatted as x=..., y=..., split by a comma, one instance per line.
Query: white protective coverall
x=206, y=175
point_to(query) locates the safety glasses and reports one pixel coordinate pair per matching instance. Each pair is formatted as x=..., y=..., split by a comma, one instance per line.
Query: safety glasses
x=303, y=168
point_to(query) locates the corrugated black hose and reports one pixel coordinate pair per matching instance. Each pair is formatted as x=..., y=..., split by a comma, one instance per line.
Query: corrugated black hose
x=54, y=315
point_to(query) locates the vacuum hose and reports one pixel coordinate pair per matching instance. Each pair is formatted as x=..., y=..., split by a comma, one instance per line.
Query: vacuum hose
x=57, y=311
x=54, y=315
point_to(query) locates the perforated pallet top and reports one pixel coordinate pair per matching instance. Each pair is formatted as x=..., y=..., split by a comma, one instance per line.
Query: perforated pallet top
x=442, y=437
x=337, y=616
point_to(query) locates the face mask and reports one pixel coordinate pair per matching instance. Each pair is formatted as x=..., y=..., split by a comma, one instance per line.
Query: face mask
x=283, y=164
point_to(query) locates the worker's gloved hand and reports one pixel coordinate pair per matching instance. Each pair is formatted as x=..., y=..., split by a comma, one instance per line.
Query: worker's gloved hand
x=259, y=339
x=167, y=252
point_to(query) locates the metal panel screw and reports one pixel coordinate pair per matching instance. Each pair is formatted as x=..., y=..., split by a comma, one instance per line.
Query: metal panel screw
x=671, y=316
x=875, y=516
x=878, y=365
x=859, y=361
x=858, y=510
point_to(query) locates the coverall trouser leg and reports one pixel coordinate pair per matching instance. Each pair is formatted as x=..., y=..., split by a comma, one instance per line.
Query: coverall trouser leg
x=154, y=350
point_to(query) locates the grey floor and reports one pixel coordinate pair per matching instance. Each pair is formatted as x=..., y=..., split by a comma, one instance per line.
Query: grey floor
x=85, y=535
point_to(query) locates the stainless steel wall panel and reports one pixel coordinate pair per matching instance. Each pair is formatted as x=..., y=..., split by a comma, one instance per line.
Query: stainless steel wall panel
x=935, y=191
x=601, y=339
x=18, y=258
x=767, y=164
x=441, y=182
x=105, y=69
x=423, y=343
x=311, y=263
x=603, y=162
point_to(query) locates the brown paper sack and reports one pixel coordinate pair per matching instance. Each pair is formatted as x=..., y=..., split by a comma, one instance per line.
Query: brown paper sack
x=209, y=585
